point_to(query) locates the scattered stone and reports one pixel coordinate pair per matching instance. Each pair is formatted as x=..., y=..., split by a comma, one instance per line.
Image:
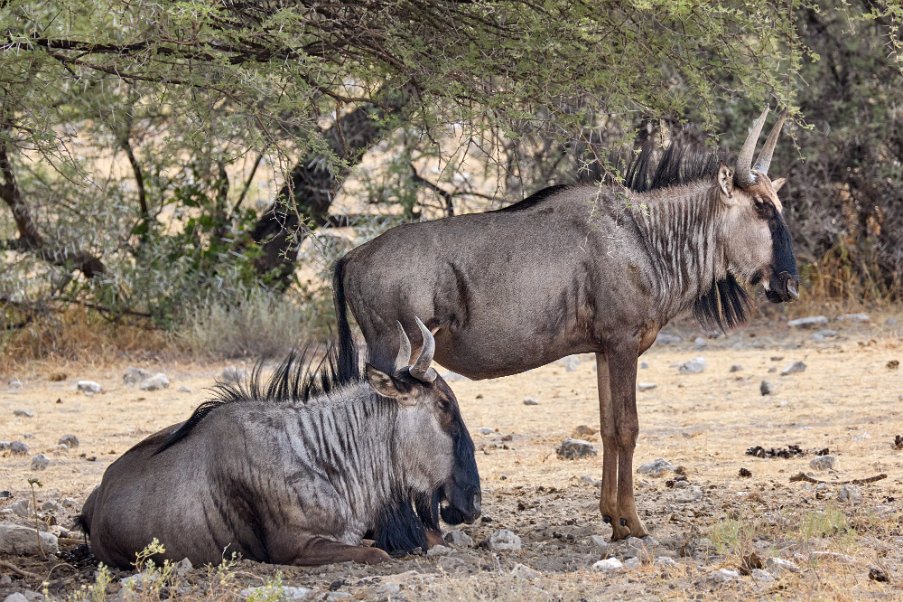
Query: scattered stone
x=600, y=542
x=234, y=374
x=285, y=592
x=522, y=571
x=794, y=368
x=155, y=383
x=893, y=364
x=53, y=507
x=632, y=563
x=22, y=508
x=761, y=576
x=184, y=389
x=17, y=539
x=876, y=574
x=24, y=413
x=735, y=368
x=824, y=333
x=504, y=540
x=15, y=597
x=656, y=468
x=745, y=472
x=389, y=590
x=808, y=322
x=182, y=567
x=779, y=565
x=439, y=550
x=458, y=538
x=133, y=376
x=529, y=401
x=485, y=430
x=822, y=463
x=645, y=386
x=17, y=448
x=572, y=449
x=88, y=387
x=666, y=561
x=693, y=366
x=667, y=339
x=40, y=462
x=858, y=318
x=775, y=452
x=644, y=365
x=69, y=441
x=570, y=363
x=14, y=383
x=609, y=564
x=766, y=388
x=689, y=495
x=69, y=502
x=338, y=596
x=591, y=480
x=699, y=343
x=582, y=431
x=849, y=493
x=640, y=547
x=725, y=575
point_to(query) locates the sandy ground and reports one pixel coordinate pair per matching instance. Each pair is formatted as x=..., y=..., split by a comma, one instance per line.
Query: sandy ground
x=848, y=400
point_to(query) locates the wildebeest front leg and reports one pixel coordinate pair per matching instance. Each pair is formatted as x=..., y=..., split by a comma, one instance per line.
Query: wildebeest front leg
x=321, y=550
x=622, y=379
x=608, y=501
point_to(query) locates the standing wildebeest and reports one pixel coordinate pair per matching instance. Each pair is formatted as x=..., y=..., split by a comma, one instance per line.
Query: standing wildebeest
x=581, y=269
x=295, y=473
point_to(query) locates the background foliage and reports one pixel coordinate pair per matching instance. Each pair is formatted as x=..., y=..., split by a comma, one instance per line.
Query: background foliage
x=166, y=163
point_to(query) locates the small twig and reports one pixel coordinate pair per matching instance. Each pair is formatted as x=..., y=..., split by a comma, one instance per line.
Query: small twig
x=804, y=477
x=448, y=196
x=34, y=511
x=21, y=572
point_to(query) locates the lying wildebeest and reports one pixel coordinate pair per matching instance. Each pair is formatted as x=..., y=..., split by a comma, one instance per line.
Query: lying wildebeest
x=296, y=473
x=581, y=269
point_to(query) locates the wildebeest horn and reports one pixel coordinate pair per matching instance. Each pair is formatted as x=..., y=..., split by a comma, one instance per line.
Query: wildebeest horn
x=420, y=369
x=744, y=159
x=404, y=348
x=764, y=159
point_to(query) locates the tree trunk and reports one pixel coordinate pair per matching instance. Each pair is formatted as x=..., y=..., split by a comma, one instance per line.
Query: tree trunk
x=303, y=202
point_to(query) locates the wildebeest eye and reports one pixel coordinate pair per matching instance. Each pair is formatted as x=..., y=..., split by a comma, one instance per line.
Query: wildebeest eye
x=764, y=209
x=444, y=404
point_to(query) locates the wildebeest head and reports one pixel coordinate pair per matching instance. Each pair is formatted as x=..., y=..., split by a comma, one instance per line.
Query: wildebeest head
x=438, y=453
x=756, y=239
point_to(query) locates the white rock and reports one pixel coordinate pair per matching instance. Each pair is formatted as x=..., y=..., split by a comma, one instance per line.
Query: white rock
x=504, y=540
x=458, y=538
x=522, y=571
x=644, y=365
x=825, y=333
x=688, y=495
x=667, y=339
x=286, y=592
x=693, y=366
x=155, y=383
x=665, y=561
x=182, y=567
x=53, y=507
x=14, y=383
x=133, y=376
x=849, y=493
x=608, y=565
x=656, y=468
x=184, y=389
x=823, y=463
x=779, y=565
x=860, y=318
x=24, y=413
x=645, y=386
x=15, y=597
x=725, y=575
x=600, y=542
x=571, y=449
x=16, y=539
x=761, y=576
x=699, y=343
x=22, y=508
x=808, y=322
x=88, y=387
x=632, y=563
x=40, y=462
x=485, y=430
x=794, y=368
x=438, y=550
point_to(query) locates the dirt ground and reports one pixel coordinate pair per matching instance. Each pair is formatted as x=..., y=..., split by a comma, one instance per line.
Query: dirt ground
x=849, y=399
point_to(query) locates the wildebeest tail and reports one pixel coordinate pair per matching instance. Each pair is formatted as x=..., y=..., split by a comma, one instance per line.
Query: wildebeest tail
x=348, y=367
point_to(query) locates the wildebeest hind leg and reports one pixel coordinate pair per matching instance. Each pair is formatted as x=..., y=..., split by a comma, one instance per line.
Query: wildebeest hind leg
x=608, y=501
x=321, y=550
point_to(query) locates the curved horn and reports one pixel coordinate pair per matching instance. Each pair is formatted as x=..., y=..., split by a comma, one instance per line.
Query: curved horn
x=764, y=159
x=404, y=348
x=420, y=369
x=744, y=159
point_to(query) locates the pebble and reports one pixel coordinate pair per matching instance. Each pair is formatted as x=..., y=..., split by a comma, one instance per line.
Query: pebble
x=849, y=493
x=794, y=368
x=645, y=386
x=808, y=322
x=22, y=508
x=335, y=596
x=693, y=366
x=389, y=589
x=485, y=430
x=458, y=538
x=608, y=565
x=735, y=368
x=286, y=592
x=656, y=468
x=688, y=495
x=665, y=561
x=600, y=542
x=182, y=567
x=571, y=449
x=234, y=374
x=825, y=333
x=632, y=563
x=700, y=342
x=664, y=338
x=40, y=462
x=570, y=363
x=644, y=365
x=761, y=576
x=529, y=401
x=15, y=597
x=133, y=376
x=68, y=440
x=504, y=540
x=17, y=539
x=779, y=565
x=24, y=413
x=53, y=507
x=725, y=575
x=860, y=318
x=522, y=571
x=823, y=462
x=155, y=383
x=184, y=389
x=439, y=550
x=767, y=388
x=14, y=383
x=88, y=387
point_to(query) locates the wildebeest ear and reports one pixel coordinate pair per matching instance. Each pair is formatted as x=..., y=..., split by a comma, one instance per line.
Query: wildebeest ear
x=726, y=183
x=386, y=386
x=778, y=184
